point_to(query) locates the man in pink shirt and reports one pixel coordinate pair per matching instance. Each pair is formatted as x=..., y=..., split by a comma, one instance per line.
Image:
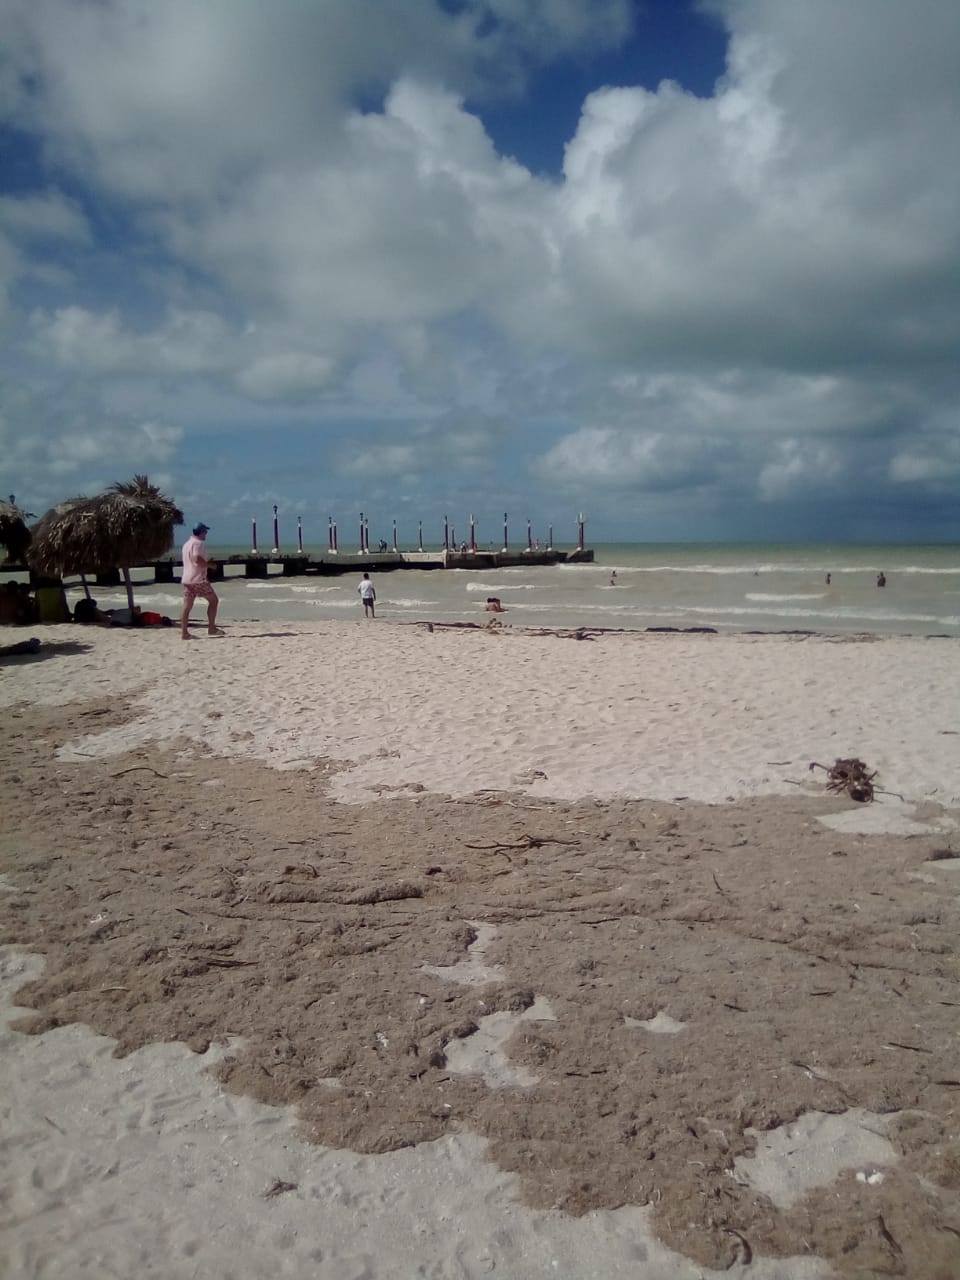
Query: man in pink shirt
x=194, y=581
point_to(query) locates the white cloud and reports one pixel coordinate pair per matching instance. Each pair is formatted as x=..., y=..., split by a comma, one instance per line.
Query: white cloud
x=73, y=447
x=383, y=460
x=800, y=466
x=738, y=297
x=50, y=216
x=286, y=375
x=930, y=459
x=778, y=220
x=187, y=342
x=626, y=459
x=174, y=100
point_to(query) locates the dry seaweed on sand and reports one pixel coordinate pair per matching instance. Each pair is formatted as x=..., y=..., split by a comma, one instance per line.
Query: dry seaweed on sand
x=848, y=775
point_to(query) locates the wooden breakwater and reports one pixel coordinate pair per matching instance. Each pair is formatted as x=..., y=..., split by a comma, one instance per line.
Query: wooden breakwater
x=298, y=565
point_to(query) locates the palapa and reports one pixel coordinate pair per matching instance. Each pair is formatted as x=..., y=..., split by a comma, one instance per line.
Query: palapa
x=132, y=523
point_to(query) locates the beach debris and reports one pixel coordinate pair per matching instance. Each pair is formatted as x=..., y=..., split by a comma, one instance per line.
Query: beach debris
x=525, y=842
x=278, y=1187
x=742, y=1248
x=848, y=775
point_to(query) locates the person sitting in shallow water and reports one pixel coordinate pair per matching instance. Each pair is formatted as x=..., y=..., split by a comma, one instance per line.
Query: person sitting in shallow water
x=494, y=605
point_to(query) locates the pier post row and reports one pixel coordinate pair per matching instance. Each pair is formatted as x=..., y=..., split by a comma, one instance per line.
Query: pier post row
x=386, y=559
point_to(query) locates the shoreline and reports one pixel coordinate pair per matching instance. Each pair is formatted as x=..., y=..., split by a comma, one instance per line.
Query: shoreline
x=494, y=622
x=589, y=630
x=719, y=587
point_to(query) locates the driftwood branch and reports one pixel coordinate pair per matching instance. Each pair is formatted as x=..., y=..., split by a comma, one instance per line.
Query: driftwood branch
x=525, y=842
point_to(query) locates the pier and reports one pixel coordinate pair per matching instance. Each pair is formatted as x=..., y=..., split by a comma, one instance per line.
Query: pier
x=298, y=565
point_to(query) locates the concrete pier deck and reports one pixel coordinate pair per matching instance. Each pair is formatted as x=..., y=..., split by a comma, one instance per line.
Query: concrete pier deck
x=294, y=565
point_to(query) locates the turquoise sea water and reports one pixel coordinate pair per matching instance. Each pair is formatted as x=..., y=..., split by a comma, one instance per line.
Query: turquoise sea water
x=732, y=587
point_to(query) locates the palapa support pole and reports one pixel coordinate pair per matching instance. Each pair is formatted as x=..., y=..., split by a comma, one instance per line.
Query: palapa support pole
x=506, y=541
x=580, y=531
x=550, y=539
x=420, y=534
x=330, y=533
x=128, y=583
x=529, y=537
x=395, y=536
x=361, y=533
x=446, y=535
x=473, y=535
x=253, y=540
x=299, y=536
x=366, y=537
x=276, y=531
x=336, y=544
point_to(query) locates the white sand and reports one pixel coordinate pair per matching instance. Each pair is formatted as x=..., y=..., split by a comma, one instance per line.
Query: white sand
x=711, y=718
x=144, y=1167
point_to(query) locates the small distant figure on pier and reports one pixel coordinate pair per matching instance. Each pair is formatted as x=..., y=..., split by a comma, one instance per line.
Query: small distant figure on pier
x=382, y=545
x=827, y=579
x=368, y=596
x=494, y=605
x=613, y=578
x=881, y=579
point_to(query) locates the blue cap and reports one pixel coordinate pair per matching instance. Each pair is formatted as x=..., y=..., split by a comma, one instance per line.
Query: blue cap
x=201, y=528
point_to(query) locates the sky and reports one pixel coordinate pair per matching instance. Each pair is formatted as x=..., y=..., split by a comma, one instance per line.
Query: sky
x=691, y=269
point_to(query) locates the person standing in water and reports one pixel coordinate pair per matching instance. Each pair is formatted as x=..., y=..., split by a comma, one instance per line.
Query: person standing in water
x=368, y=596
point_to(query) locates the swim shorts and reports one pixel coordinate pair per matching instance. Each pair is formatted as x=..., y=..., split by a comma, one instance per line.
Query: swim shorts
x=203, y=589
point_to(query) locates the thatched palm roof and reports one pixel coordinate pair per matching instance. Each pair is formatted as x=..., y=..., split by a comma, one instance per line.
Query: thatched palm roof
x=129, y=524
x=14, y=534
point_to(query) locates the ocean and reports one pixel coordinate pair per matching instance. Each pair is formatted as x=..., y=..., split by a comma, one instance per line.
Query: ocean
x=732, y=587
